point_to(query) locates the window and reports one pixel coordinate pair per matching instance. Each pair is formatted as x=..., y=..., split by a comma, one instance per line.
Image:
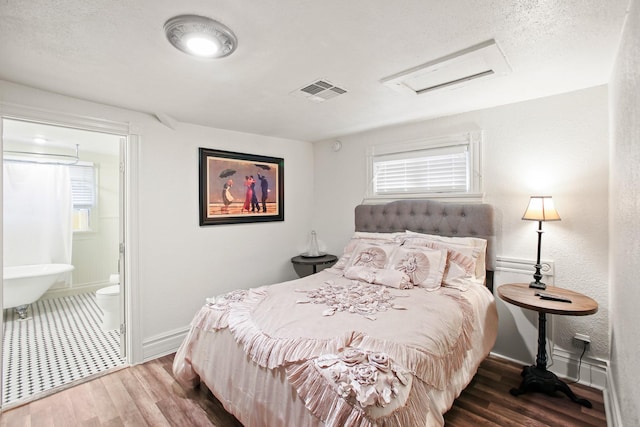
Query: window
x=443, y=167
x=83, y=192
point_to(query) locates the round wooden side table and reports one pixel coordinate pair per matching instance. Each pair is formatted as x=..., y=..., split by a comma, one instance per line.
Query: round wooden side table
x=538, y=378
x=315, y=261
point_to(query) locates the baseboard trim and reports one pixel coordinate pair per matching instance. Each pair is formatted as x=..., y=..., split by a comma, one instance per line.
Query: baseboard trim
x=611, y=403
x=163, y=344
x=510, y=359
x=593, y=371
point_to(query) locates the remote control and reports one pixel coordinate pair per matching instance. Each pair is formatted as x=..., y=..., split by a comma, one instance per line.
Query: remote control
x=552, y=297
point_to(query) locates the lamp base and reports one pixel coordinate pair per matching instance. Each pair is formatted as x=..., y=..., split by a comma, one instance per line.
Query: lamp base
x=537, y=285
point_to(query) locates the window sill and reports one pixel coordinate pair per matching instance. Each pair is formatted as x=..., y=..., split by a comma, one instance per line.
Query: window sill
x=445, y=197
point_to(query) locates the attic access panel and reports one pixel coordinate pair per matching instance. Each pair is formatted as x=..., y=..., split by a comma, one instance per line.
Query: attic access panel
x=482, y=61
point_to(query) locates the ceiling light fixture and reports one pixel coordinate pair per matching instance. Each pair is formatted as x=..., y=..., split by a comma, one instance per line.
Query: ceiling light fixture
x=200, y=36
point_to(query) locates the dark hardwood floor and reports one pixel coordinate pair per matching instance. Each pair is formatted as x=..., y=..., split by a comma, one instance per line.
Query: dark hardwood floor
x=148, y=395
x=487, y=401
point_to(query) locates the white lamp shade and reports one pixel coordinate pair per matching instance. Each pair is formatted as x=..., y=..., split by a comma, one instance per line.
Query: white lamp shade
x=541, y=208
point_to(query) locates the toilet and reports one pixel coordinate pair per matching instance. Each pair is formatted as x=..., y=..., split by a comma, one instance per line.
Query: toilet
x=108, y=299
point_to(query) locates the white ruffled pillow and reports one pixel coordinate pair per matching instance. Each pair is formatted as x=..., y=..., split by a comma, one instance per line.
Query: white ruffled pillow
x=461, y=262
x=371, y=254
x=379, y=276
x=424, y=266
x=365, y=237
x=460, y=244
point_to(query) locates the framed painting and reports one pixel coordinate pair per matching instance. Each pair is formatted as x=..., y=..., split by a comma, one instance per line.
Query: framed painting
x=240, y=188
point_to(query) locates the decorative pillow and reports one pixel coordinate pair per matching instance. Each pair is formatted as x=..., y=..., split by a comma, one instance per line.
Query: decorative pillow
x=374, y=255
x=390, y=278
x=379, y=238
x=365, y=237
x=461, y=260
x=424, y=266
x=457, y=243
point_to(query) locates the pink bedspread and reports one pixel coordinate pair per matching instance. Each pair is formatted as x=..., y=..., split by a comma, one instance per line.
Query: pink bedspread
x=325, y=350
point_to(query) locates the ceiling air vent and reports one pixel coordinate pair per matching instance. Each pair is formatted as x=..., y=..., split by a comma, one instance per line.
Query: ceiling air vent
x=319, y=91
x=479, y=62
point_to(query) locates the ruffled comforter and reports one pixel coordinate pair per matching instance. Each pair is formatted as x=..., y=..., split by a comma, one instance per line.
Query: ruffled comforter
x=326, y=350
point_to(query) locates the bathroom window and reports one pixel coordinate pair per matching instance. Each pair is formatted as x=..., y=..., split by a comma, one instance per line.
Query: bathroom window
x=83, y=191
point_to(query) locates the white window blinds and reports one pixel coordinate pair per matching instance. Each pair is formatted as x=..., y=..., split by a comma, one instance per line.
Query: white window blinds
x=83, y=185
x=446, y=166
x=440, y=170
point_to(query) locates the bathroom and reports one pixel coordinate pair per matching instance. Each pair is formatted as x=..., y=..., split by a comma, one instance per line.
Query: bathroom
x=62, y=204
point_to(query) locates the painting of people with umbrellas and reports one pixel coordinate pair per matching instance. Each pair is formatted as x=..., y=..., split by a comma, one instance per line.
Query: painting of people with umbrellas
x=240, y=187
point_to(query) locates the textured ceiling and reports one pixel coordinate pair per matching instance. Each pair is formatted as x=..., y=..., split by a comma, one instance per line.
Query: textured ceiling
x=115, y=52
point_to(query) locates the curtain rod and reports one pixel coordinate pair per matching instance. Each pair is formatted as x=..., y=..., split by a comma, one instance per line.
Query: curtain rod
x=73, y=159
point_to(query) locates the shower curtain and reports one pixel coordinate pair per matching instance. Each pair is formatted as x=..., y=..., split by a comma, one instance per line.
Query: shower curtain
x=37, y=214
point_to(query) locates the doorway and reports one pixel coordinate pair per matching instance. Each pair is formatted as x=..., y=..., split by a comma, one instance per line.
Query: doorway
x=63, y=204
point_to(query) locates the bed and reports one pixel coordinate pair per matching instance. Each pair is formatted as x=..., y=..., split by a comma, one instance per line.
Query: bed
x=390, y=335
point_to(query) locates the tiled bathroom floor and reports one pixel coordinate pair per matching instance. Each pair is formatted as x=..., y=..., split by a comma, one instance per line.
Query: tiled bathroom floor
x=59, y=342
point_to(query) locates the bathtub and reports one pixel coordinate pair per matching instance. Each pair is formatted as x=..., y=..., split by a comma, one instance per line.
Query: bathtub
x=24, y=284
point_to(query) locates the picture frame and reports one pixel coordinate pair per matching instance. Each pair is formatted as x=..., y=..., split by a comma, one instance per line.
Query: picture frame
x=239, y=187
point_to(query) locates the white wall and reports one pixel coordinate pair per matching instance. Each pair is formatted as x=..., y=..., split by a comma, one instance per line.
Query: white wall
x=554, y=146
x=177, y=254
x=625, y=228
x=181, y=263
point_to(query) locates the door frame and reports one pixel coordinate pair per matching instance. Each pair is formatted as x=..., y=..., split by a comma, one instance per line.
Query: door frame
x=129, y=160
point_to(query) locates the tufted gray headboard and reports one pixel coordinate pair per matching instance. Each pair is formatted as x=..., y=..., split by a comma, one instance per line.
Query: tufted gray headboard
x=432, y=217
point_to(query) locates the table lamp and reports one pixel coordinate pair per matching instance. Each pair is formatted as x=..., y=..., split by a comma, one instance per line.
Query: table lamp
x=540, y=209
